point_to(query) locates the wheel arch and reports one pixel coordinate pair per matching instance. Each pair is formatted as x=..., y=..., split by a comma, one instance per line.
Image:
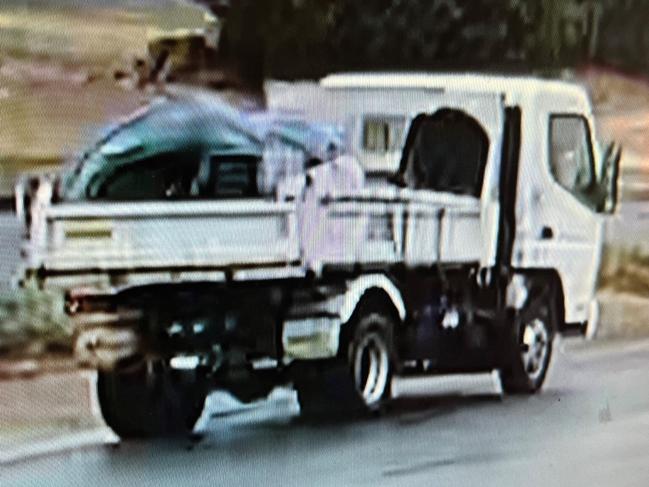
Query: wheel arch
x=368, y=286
x=549, y=277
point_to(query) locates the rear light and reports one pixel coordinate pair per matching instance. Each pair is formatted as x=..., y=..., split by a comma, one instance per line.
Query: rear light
x=88, y=300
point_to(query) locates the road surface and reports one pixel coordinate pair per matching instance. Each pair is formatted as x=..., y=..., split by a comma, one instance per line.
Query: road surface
x=590, y=426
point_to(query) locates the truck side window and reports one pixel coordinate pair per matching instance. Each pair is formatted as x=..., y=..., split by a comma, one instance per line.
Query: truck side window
x=163, y=176
x=571, y=155
x=382, y=133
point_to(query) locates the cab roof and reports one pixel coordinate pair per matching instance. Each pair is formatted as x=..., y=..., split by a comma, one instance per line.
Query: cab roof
x=513, y=88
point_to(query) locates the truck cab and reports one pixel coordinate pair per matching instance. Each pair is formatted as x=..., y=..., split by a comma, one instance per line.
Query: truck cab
x=552, y=195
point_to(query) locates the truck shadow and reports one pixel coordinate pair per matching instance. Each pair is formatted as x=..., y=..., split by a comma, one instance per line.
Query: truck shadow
x=284, y=414
x=270, y=425
x=417, y=410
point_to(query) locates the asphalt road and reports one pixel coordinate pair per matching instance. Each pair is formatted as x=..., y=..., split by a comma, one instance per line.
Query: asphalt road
x=590, y=426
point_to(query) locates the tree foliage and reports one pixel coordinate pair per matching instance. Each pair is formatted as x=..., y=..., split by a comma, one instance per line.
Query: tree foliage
x=307, y=38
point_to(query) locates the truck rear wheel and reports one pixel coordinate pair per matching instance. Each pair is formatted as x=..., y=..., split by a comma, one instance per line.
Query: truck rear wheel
x=359, y=379
x=530, y=348
x=150, y=401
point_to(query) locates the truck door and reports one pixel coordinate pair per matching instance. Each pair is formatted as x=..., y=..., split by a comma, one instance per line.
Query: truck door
x=560, y=227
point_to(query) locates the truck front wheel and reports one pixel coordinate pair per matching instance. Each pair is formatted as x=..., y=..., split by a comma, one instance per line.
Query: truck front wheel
x=150, y=401
x=529, y=347
x=359, y=379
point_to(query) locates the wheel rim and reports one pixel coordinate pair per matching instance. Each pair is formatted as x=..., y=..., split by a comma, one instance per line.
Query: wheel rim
x=371, y=368
x=534, y=348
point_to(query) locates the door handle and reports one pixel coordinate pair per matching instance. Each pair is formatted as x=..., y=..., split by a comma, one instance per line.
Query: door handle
x=547, y=233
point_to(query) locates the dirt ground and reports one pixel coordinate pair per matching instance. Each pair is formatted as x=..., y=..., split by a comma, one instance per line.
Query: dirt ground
x=44, y=399
x=57, y=68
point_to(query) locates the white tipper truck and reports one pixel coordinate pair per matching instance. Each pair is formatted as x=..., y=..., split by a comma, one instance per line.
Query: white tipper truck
x=480, y=248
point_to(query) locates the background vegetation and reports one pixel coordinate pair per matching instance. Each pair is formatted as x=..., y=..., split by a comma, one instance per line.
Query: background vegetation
x=307, y=38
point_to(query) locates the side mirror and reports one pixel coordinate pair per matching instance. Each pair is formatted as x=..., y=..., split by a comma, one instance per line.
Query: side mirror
x=608, y=183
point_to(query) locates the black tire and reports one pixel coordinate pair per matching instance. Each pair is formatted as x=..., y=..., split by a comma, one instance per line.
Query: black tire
x=359, y=379
x=529, y=347
x=150, y=401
